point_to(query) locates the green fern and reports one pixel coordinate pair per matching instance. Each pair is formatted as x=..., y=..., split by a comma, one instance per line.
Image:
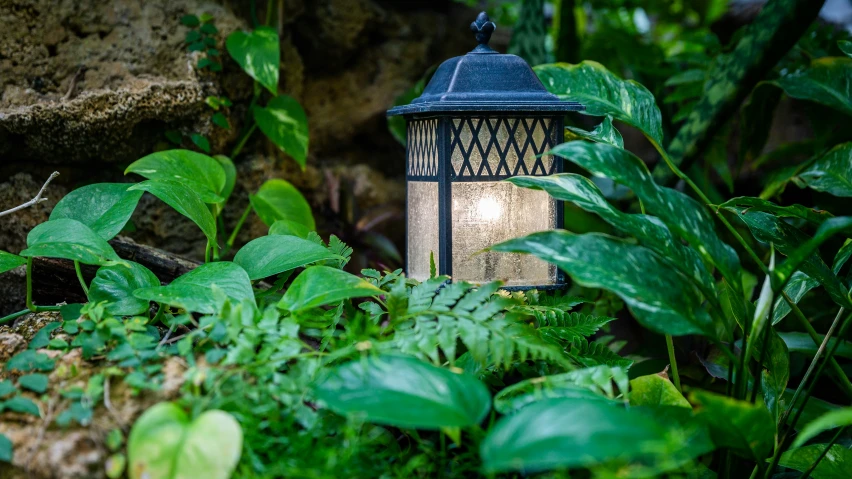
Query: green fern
x=594, y=354
x=559, y=326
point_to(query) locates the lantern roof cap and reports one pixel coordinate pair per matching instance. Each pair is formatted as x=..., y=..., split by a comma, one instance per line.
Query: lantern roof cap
x=483, y=81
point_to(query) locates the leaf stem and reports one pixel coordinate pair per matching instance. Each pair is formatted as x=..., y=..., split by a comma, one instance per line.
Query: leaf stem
x=243, y=140
x=839, y=375
x=30, y=304
x=231, y=239
x=207, y=252
x=824, y=452
x=14, y=316
x=673, y=362
x=80, y=277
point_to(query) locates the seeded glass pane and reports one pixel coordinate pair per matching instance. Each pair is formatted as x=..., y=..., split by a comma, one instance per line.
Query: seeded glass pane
x=422, y=227
x=485, y=213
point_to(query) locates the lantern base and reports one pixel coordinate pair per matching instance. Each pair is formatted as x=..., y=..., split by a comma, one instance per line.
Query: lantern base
x=546, y=287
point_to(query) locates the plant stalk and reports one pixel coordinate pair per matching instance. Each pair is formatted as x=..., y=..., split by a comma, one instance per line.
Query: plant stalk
x=819, y=458
x=242, y=142
x=673, y=362
x=80, y=277
x=231, y=239
x=30, y=304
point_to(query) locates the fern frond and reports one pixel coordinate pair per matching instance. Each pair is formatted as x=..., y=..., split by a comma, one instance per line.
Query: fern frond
x=594, y=354
x=559, y=326
x=338, y=247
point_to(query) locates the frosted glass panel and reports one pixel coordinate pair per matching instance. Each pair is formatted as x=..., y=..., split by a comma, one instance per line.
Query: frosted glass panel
x=422, y=227
x=485, y=213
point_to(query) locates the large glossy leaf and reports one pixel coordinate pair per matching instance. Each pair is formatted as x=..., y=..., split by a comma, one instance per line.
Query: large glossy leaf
x=404, y=392
x=604, y=94
x=321, y=285
x=284, y=122
x=9, y=261
x=116, y=284
x=650, y=232
x=831, y=172
x=768, y=228
x=270, y=255
x=165, y=443
x=68, y=239
x=194, y=290
x=658, y=296
x=802, y=343
x=740, y=425
x=604, y=132
x=279, y=200
x=571, y=433
x=258, y=53
x=103, y=207
x=591, y=383
x=827, y=81
x=837, y=462
x=775, y=374
x=655, y=390
x=812, y=215
x=831, y=420
x=184, y=200
x=198, y=172
x=684, y=216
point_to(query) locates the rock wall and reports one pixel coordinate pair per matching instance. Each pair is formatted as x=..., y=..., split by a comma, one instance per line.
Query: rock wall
x=86, y=87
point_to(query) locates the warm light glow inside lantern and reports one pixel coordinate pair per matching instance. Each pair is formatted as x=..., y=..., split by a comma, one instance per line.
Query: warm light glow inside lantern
x=484, y=117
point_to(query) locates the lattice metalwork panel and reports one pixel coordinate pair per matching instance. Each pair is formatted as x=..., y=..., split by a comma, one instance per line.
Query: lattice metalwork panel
x=423, y=148
x=496, y=148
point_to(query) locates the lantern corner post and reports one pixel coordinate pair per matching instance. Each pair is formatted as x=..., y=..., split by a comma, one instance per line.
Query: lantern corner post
x=445, y=198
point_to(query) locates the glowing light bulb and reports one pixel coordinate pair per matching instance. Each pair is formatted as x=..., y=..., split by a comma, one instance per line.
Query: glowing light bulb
x=488, y=208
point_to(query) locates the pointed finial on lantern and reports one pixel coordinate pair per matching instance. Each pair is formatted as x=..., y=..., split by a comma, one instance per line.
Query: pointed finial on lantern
x=483, y=27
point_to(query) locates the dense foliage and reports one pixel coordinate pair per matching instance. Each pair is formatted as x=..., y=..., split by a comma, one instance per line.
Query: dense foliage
x=298, y=368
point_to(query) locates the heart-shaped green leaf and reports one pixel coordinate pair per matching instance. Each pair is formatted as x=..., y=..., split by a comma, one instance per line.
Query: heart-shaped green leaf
x=659, y=297
x=404, y=392
x=604, y=94
x=6, y=449
x=655, y=390
x=68, y=239
x=287, y=227
x=279, y=200
x=572, y=432
x=284, y=122
x=196, y=171
x=258, y=54
x=740, y=425
x=270, y=255
x=9, y=261
x=164, y=443
x=115, y=284
x=230, y=175
x=831, y=172
x=103, y=207
x=194, y=290
x=184, y=200
x=321, y=285
x=35, y=382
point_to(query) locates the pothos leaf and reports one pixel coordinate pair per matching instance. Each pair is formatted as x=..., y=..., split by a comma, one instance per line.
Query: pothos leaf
x=284, y=122
x=184, y=200
x=258, y=53
x=198, y=172
x=9, y=261
x=103, y=207
x=69, y=239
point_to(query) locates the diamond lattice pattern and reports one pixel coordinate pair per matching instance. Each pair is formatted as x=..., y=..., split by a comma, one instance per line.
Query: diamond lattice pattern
x=423, y=147
x=502, y=147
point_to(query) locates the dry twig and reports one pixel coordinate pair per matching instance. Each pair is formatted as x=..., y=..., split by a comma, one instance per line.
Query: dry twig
x=37, y=199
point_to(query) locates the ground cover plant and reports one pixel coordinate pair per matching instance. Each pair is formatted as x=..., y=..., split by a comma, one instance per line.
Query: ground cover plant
x=296, y=367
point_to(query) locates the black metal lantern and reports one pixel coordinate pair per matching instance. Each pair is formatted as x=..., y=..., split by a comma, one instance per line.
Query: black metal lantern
x=482, y=118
